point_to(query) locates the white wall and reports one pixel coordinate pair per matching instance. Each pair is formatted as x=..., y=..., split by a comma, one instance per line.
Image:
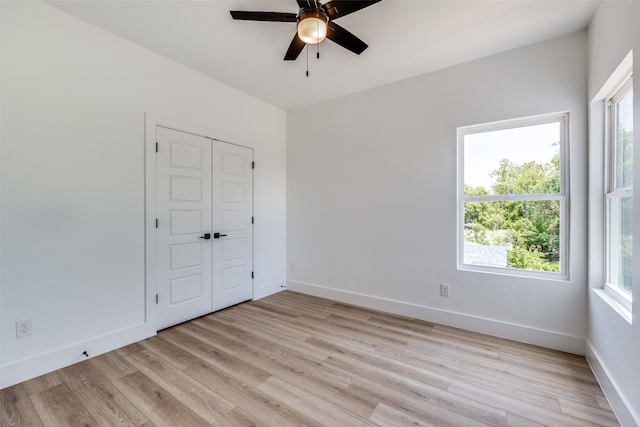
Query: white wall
x=371, y=195
x=73, y=108
x=613, y=344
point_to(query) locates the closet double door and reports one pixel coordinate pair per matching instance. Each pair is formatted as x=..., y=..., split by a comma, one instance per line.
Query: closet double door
x=204, y=231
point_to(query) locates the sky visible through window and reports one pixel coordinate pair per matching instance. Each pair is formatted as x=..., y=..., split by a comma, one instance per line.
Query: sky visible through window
x=626, y=110
x=484, y=151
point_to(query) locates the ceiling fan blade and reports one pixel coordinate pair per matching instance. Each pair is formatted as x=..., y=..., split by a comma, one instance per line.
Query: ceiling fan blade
x=295, y=48
x=345, y=39
x=305, y=3
x=263, y=16
x=338, y=8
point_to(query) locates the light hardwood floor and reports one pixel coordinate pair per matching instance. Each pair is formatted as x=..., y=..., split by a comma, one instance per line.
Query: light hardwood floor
x=296, y=360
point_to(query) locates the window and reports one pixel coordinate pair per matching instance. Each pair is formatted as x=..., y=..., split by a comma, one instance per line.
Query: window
x=619, y=194
x=512, y=200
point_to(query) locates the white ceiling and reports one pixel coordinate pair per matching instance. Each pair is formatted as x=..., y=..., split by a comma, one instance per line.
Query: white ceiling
x=405, y=37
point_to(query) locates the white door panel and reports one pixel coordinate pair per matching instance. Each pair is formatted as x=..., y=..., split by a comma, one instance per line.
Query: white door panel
x=233, y=249
x=185, y=255
x=186, y=288
x=184, y=215
x=233, y=212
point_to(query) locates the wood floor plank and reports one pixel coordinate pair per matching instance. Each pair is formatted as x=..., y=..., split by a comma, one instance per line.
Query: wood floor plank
x=326, y=383
x=272, y=309
x=112, y=365
x=432, y=377
x=16, y=409
x=500, y=375
x=518, y=405
x=413, y=389
x=273, y=323
x=205, y=402
x=540, y=354
x=587, y=413
x=412, y=327
x=278, y=333
x=59, y=406
x=42, y=383
x=321, y=410
x=245, y=333
x=517, y=421
x=157, y=403
x=297, y=360
x=416, y=407
x=385, y=415
x=290, y=359
x=250, y=399
x=368, y=331
x=309, y=306
x=106, y=404
x=237, y=417
x=171, y=353
x=129, y=349
x=214, y=355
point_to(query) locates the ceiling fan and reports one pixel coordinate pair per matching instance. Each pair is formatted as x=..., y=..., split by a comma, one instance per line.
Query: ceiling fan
x=314, y=23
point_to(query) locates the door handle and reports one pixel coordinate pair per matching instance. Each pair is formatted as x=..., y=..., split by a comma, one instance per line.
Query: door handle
x=206, y=236
x=218, y=235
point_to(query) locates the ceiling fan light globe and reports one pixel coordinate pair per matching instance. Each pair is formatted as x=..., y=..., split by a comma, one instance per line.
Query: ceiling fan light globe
x=312, y=27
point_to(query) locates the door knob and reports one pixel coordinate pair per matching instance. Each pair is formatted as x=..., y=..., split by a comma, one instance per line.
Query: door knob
x=218, y=235
x=206, y=236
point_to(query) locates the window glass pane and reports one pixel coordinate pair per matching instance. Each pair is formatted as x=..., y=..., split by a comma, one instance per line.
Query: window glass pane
x=514, y=234
x=620, y=236
x=524, y=160
x=624, y=141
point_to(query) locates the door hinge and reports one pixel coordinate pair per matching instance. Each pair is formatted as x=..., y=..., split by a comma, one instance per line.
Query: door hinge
x=156, y=147
x=252, y=274
x=252, y=219
x=253, y=165
x=156, y=222
x=156, y=298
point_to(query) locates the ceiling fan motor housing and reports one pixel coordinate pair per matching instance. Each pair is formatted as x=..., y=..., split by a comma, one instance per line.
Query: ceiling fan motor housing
x=312, y=25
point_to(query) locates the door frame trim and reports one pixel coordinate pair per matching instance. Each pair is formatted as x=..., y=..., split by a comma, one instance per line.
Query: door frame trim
x=150, y=208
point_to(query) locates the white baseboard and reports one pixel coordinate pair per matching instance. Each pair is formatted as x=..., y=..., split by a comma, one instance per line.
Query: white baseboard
x=32, y=367
x=521, y=333
x=269, y=289
x=618, y=402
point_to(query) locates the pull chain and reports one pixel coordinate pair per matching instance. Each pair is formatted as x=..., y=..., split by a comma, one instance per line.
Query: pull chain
x=318, y=44
x=317, y=48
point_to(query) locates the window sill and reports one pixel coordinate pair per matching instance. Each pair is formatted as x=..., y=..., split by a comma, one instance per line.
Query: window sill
x=615, y=305
x=514, y=272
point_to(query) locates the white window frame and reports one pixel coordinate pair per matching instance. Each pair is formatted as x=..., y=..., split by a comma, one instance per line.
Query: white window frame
x=611, y=190
x=562, y=196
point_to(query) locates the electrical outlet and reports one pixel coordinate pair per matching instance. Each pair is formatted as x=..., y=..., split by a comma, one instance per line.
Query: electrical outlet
x=444, y=290
x=23, y=328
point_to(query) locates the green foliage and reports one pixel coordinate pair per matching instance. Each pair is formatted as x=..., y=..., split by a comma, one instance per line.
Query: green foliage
x=623, y=242
x=477, y=234
x=529, y=229
x=530, y=260
x=527, y=178
x=624, y=159
x=624, y=178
